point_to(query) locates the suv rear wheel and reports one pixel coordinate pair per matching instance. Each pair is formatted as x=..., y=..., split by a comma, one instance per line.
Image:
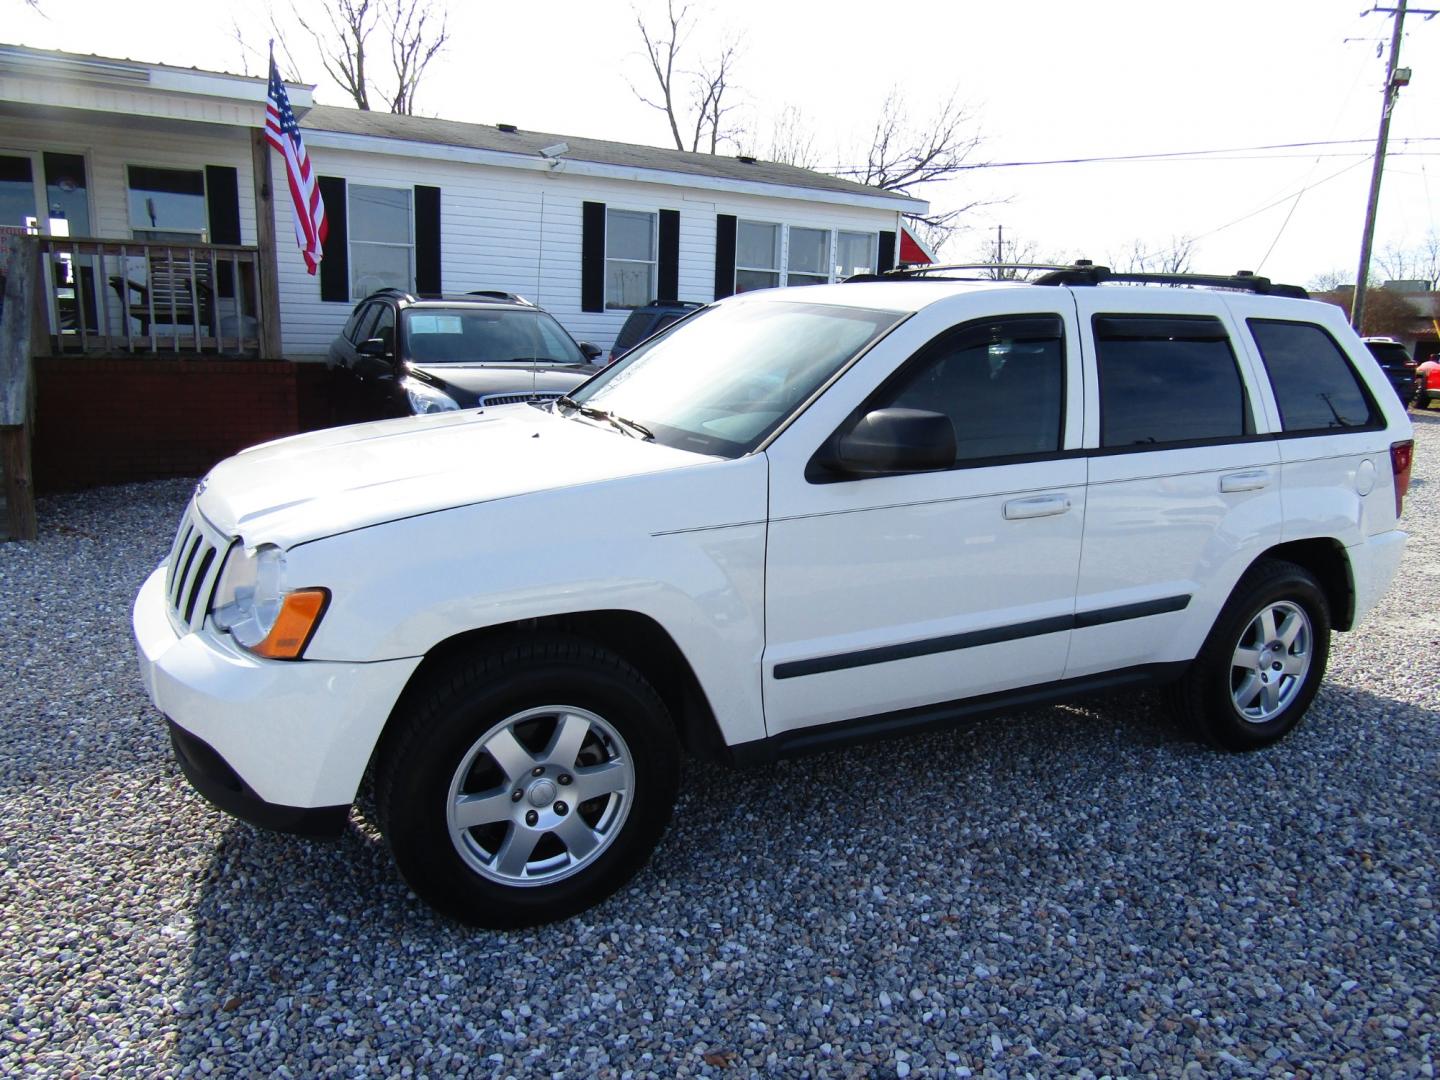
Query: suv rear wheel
x=527, y=783
x=1263, y=661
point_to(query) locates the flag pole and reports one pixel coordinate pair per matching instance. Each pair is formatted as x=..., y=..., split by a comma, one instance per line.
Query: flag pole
x=267, y=267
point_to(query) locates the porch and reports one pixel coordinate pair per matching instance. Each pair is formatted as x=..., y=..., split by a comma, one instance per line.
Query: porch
x=111, y=298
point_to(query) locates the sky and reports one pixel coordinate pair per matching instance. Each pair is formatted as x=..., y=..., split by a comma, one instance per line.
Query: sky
x=1043, y=80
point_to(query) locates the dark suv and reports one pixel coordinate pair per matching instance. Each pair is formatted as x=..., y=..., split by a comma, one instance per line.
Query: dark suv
x=402, y=355
x=646, y=322
x=1397, y=364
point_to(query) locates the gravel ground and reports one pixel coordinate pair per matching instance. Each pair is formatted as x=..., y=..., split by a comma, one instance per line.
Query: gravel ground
x=1076, y=890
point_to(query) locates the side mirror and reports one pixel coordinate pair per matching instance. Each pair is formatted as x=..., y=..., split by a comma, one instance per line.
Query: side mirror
x=590, y=351
x=895, y=441
x=374, y=347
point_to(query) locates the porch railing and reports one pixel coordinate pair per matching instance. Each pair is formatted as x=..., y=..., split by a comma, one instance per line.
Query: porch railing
x=108, y=297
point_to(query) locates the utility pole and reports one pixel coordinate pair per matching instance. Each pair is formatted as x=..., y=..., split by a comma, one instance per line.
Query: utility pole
x=1395, y=78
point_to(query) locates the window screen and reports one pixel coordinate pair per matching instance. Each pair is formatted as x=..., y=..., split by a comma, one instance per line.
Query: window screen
x=167, y=204
x=1167, y=379
x=757, y=256
x=999, y=381
x=629, y=259
x=1314, y=384
x=382, y=241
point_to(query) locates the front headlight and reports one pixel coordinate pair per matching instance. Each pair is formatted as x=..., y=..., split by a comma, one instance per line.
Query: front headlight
x=425, y=398
x=253, y=606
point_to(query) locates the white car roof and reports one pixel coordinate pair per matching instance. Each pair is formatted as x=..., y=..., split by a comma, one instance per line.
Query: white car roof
x=911, y=295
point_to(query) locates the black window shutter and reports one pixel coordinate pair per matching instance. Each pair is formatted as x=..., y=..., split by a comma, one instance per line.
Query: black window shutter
x=222, y=200
x=222, y=203
x=592, y=257
x=335, y=266
x=724, y=255
x=427, y=240
x=669, y=284
x=887, y=252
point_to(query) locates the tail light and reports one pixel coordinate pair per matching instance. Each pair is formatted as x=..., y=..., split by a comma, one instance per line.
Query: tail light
x=1402, y=456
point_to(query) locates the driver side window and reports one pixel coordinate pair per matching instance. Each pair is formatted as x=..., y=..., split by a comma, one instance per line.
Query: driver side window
x=1000, y=382
x=384, y=327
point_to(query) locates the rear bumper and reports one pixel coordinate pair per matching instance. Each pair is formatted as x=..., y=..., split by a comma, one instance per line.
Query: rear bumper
x=266, y=740
x=1373, y=565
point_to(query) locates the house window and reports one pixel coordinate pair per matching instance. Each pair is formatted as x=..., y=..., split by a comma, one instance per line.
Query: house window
x=854, y=254
x=757, y=256
x=382, y=239
x=809, y=257
x=629, y=259
x=167, y=204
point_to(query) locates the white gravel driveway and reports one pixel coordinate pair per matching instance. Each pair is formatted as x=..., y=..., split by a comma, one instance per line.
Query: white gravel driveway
x=1070, y=891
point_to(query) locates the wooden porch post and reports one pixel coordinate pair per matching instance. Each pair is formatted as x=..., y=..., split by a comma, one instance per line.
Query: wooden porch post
x=269, y=273
x=24, y=332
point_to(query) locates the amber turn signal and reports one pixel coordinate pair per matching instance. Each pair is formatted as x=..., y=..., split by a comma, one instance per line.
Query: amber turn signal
x=295, y=625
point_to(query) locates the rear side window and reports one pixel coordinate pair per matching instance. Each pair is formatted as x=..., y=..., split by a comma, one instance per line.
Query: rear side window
x=1001, y=382
x=352, y=327
x=358, y=329
x=1168, y=379
x=1314, y=384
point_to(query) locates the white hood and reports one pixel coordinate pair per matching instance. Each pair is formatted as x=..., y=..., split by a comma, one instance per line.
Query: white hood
x=328, y=482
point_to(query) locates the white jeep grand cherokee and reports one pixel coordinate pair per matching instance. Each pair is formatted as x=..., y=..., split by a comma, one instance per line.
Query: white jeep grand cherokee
x=797, y=518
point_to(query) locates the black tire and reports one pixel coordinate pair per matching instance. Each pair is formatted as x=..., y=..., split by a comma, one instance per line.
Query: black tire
x=445, y=724
x=1206, y=697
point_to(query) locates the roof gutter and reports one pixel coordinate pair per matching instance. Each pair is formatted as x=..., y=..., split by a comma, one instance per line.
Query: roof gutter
x=338, y=140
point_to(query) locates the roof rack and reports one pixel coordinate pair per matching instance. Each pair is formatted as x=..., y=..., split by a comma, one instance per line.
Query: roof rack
x=910, y=273
x=1084, y=272
x=500, y=294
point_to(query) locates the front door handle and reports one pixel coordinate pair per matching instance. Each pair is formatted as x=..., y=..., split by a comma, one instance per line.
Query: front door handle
x=1253, y=480
x=1036, y=506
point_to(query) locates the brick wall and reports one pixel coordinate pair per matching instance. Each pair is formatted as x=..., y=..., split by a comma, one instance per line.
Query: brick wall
x=113, y=421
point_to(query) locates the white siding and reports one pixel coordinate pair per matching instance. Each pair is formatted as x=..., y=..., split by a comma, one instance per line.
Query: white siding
x=521, y=231
x=109, y=148
x=500, y=228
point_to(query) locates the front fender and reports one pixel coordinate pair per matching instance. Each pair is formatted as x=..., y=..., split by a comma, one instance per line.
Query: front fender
x=685, y=548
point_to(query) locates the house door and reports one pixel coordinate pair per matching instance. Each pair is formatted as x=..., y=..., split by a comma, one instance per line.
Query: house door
x=46, y=194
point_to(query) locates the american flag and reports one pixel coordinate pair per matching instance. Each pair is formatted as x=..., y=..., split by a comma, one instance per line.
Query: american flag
x=283, y=133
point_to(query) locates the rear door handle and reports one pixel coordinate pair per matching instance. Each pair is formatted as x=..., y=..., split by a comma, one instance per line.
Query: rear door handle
x=1036, y=506
x=1253, y=480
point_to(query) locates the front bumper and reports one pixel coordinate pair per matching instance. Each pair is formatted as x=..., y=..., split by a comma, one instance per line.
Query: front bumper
x=267, y=740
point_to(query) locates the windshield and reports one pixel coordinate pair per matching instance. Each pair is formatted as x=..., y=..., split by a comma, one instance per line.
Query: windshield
x=724, y=379
x=486, y=336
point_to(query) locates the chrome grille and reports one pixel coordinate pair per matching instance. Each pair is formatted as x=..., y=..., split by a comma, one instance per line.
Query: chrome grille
x=517, y=399
x=193, y=569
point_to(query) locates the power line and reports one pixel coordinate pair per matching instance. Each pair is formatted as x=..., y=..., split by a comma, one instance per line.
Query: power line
x=1167, y=155
x=1282, y=200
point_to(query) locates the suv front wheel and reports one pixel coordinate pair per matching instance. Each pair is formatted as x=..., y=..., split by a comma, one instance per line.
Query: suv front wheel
x=1263, y=661
x=527, y=783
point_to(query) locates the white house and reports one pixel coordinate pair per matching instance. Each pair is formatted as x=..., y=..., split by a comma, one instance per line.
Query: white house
x=143, y=178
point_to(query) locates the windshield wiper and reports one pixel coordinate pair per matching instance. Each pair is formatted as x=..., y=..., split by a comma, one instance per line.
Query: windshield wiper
x=590, y=412
x=624, y=422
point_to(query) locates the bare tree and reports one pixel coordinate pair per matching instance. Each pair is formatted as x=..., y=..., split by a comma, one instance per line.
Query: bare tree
x=416, y=32
x=1331, y=280
x=342, y=39
x=904, y=155
x=1388, y=313
x=1140, y=258
x=415, y=40
x=1418, y=263
x=791, y=140
x=694, y=101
